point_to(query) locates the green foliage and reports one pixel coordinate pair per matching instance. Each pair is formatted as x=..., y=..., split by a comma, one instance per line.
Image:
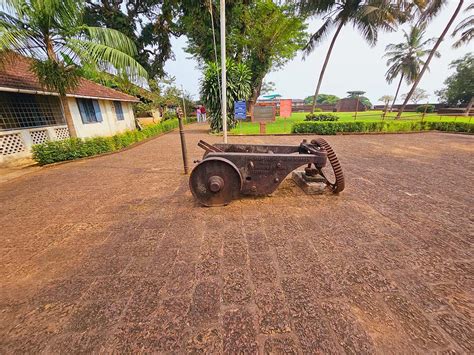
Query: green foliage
x=358, y=94
x=56, y=76
x=54, y=30
x=321, y=117
x=331, y=128
x=168, y=115
x=406, y=58
x=263, y=34
x=465, y=28
x=365, y=101
x=238, y=88
x=460, y=85
x=428, y=108
x=317, y=109
x=75, y=148
x=366, y=16
x=322, y=99
x=149, y=23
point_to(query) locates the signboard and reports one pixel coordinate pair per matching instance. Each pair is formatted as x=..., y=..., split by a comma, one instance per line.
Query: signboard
x=263, y=112
x=285, y=108
x=240, y=110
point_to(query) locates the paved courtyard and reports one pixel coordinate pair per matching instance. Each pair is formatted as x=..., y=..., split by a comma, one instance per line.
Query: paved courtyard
x=113, y=255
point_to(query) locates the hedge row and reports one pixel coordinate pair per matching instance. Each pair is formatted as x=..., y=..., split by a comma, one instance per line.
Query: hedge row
x=321, y=117
x=75, y=148
x=327, y=128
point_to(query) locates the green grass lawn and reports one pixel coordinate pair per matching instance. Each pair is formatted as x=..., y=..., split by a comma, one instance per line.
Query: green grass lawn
x=282, y=125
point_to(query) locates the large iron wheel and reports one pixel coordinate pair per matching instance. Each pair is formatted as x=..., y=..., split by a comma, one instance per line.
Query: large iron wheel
x=215, y=182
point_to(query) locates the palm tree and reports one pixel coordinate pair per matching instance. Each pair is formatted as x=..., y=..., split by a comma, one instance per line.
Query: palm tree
x=367, y=16
x=432, y=8
x=466, y=27
x=53, y=34
x=405, y=58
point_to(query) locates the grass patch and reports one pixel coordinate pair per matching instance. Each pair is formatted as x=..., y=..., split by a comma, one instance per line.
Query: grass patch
x=75, y=148
x=284, y=126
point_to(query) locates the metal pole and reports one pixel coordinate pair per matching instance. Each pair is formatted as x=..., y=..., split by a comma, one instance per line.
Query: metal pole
x=223, y=72
x=184, y=104
x=184, y=150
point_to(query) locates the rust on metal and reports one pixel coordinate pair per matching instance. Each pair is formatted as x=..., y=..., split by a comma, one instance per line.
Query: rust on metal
x=184, y=150
x=230, y=170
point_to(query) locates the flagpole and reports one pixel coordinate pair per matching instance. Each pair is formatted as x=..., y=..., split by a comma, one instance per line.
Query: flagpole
x=224, y=74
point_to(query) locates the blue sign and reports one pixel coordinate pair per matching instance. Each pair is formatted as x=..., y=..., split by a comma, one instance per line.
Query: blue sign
x=240, y=110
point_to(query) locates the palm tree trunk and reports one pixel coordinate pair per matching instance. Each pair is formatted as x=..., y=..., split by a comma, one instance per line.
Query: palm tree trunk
x=325, y=65
x=431, y=55
x=68, y=117
x=396, y=94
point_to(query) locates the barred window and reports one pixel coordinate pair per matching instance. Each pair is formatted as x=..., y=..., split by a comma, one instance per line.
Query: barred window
x=118, y=110
x=89, y=110
x=19, y=111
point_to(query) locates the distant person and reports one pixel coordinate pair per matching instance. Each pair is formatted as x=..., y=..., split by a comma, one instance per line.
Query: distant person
x=203, y=114
x=198, y=113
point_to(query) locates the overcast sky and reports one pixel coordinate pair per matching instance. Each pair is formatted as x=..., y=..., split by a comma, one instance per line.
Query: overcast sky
x=354, y=65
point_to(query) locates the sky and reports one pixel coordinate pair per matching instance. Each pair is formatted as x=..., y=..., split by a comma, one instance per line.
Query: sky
x=353, y=65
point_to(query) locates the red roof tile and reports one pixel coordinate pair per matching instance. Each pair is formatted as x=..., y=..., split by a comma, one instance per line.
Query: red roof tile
x=15, y=74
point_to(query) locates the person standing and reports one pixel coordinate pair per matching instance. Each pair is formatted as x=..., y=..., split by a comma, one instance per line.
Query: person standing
x=203, y=113
x=198, y=113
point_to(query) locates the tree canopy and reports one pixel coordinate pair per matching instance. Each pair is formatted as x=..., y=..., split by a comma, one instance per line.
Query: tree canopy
x=260, y=33
x=53, y=33
x=460, y=85
x=327, y=99
x=149, y=23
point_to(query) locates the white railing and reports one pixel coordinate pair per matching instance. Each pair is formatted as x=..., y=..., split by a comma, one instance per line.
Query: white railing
x=16, y=144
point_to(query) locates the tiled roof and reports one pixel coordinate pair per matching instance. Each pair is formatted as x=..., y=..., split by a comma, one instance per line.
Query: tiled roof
x=15, y=74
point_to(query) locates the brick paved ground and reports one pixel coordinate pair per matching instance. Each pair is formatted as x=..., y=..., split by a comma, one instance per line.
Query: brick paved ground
x=112, y=254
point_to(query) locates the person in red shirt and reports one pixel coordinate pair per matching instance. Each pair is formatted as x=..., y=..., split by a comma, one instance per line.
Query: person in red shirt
x=203, y=114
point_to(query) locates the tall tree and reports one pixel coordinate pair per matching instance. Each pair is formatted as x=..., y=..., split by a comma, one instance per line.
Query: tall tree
x=260, y=33
x=465, y=28
x=459, y=88
x=149, y=23
x=432, y=9
x=405, y=58
x=367, y=16
x=52, y=32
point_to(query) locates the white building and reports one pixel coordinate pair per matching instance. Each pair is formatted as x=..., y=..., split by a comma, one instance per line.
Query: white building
x=29, y=115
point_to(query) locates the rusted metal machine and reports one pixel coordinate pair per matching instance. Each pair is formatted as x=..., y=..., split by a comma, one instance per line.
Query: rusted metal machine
x=230, y=170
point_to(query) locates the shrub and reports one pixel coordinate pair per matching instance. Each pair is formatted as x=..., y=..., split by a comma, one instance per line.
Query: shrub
x=327, y=128
x=317, y=109
x=75, y=148
x=429, y=108
x=168, y=115
x=323, y=117
x=239, y=77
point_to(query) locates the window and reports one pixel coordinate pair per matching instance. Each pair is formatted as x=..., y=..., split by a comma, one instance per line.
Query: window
x=19, y=111
x=118, y=110
x=90, y=110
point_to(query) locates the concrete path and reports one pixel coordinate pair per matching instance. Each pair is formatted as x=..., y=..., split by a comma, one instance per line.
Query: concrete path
x=113, y=255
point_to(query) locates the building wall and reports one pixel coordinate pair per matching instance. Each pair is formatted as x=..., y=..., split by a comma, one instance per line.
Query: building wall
x=109, y=125
x=15, y=145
